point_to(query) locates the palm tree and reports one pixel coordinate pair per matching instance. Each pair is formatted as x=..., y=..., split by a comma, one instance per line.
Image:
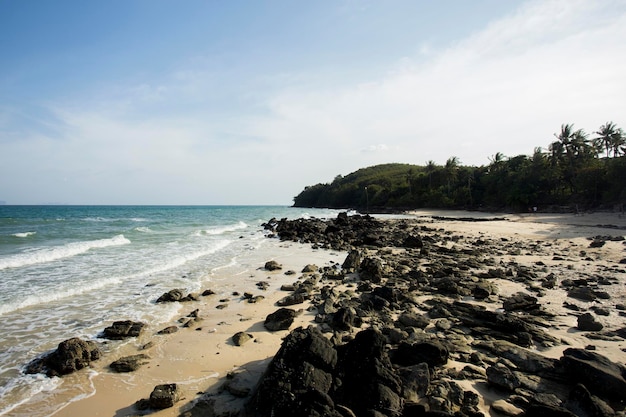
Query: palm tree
x=452, y=165
x=619, y=142
x=496, y=161
x=606, y=135
x=430, y=168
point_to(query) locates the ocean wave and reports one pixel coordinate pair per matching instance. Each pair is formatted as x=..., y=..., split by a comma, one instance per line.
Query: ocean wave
x=59, y=294
x=143, y=229
x=25, y=387
x=66, y=251
x=219, y=230
x=23, y=234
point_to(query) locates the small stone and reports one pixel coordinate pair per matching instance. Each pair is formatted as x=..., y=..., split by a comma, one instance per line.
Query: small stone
x=587, y=322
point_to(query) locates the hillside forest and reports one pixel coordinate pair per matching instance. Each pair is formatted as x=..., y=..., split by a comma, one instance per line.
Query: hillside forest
x=577, y=171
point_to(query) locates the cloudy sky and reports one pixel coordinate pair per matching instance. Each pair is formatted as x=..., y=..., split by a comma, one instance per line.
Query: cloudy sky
x=248, y=102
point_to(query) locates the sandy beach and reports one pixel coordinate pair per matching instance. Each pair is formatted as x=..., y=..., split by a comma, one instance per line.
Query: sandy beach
x=199, y=357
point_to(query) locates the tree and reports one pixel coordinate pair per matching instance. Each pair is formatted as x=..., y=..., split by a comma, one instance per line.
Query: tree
x=606, y=137
x=430, y=168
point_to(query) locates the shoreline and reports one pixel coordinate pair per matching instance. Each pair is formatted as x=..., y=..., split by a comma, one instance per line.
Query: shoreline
x=200, y=357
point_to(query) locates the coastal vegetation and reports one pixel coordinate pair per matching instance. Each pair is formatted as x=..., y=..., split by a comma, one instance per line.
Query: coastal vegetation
x=577, y=170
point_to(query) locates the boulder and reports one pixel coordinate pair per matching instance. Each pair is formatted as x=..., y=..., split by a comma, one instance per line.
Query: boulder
x=281, y=319
x=413, y=320
x=501, y=376
x=587, y=322
x=240, y=338
x=123, y=329
x=273, y=266
x=129, y=363
x=345, y=318
x=371, y=269
x=70, y=356
x=171, y=296
x=601, y=376
x=292, y=299
x=582, y=403
x=520, y=301
x=164, y=396
x=431, y=352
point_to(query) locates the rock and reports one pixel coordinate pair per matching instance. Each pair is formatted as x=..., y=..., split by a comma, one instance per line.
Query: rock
x=168, y=330
x=123, y=329
x=273, y=266
x=415, y=381
x=547, y=411
x=345, y=318
x=171, y=296
x=582, y=403
x=298, y=378
x=352, y=261
x=520, y=301
x=71, y=355
x=371, y=269
x=601, y=376
x=206, y=293
x=413, y=320
x=431, y=352
x=506, y=408
x=413, y=241
x=582, y=294
x=240, y=338
x=292, y=299
x=281, y=319
x=310, y=268
x=501, y=376
x=164, y=396
x=587, y=322
x=129, y=363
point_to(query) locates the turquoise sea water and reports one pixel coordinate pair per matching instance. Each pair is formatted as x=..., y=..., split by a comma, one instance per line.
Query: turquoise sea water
x=69, y=271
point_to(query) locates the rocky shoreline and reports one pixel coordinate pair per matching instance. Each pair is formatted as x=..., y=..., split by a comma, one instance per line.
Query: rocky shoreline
x=421, y=321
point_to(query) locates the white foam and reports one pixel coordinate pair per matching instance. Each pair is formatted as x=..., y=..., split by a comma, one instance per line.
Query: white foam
x=23, y=234
x=143, y=229
x=59, y=252
x=71, y=291
x=33, y=384
x=222, y=229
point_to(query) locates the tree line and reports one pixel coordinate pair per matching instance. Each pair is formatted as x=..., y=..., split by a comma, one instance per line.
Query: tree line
x=577, y=169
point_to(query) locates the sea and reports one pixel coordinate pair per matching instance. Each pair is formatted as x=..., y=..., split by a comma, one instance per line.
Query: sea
x=70, y=271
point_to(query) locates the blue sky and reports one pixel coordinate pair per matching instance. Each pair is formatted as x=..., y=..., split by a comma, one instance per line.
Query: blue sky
x=248, y=102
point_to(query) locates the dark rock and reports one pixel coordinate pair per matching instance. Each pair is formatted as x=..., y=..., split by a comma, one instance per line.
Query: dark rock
x=298, y=377
x=281, y=319
x=345, y=318
x=413, y=320
x=582, y=294
x=600, y=375
x=413, y=241
x=501, y=376
x=171, y=296
x=129, y=363
x=206, y=293
x=431, y=352
x=164, y=396
x=520, y=301
x=582, y=403
x=123, y=329
x=292, y=299
x=168, y=330
x=415, y=381
x=352, y=261
x=70, y=356
x=587, y=322
x=310, y=268
x=371, y=269
x=240, y=338
x=273, y=266
x=547, y=411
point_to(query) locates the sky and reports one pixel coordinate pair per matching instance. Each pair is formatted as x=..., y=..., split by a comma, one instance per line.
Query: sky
x=248, y=102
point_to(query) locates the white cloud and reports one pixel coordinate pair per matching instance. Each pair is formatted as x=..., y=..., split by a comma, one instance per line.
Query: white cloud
x=184, y=139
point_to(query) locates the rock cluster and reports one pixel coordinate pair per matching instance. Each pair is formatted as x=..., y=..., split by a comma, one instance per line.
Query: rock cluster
x=70, y=356
x=407, y=301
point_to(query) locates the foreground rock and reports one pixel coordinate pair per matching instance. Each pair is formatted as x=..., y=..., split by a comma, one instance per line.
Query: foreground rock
x=425, y=298
x=123, y=329
x=70, y=356
x=163, y=396
x=129, y=363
